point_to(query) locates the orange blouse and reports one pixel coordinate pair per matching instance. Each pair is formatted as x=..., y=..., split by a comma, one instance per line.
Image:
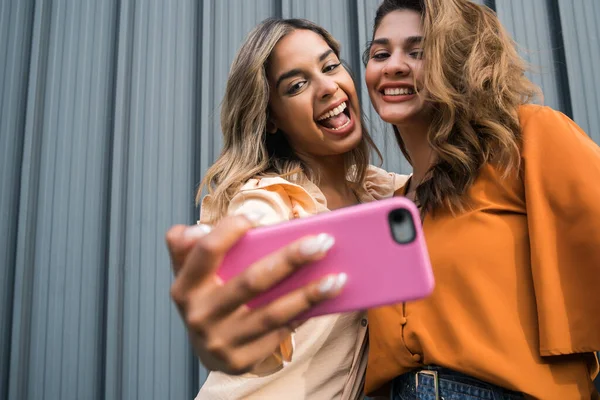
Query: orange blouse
x=517, y=297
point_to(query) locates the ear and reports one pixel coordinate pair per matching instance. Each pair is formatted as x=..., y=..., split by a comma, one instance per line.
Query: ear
x=271, y=126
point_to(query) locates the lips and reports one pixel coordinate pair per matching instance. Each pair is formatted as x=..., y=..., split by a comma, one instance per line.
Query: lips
x=335, y=111
x=331, y=108
x=403, y=91
x=337, y=120
x=397, y=92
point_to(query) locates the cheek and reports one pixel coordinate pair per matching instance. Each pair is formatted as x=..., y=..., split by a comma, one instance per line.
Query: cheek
x=293, y=109
x=419, y=72
x=370, y=76
x=297, y=119
x=347, y=84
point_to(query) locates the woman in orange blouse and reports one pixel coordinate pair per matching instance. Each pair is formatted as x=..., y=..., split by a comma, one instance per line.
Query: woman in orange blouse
x=510, y=201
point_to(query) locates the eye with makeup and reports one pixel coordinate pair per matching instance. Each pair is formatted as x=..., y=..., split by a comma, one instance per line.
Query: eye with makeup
x=296, y=86
x=417, y=54
x=330, y=67
x=380, y=55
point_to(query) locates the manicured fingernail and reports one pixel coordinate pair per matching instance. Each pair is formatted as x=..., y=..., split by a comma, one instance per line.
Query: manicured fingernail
x=318, y=244
x=196, y=231
x=254, y=216
x=340, y=281
x=333, y=283
x=327, y=284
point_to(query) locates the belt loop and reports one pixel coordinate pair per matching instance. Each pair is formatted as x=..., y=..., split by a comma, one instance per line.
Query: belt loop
x=434, y=375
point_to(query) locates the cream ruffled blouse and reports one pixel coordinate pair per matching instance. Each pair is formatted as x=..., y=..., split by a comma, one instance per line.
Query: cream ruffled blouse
x=326, y=357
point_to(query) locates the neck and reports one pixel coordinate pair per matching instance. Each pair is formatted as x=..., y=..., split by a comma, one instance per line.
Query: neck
x=331, y=170
x=414, y=137
x=332, y=179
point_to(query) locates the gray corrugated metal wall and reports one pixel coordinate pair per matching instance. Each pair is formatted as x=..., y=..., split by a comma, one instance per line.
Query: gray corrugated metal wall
x=108, y=117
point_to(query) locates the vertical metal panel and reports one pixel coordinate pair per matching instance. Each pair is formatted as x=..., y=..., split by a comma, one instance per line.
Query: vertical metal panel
x=117, y=246
x=152, y=189
x=338, y=17
x=16, y=24
x=529, y=24
x=581, y=37
x=225, y=25
x=27, y=210
x=57, y=352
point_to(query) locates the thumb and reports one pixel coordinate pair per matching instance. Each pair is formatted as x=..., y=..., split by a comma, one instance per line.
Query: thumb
x=180, y=240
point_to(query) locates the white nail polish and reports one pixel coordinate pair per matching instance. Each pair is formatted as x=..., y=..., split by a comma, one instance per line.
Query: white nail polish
x=254, y=216
x=327, y=243
x=196, y=231
x=317, y=244
x=327, y=284
x=340, y=281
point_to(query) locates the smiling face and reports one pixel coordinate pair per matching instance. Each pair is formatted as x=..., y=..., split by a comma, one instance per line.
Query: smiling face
x=313, y=100
x=395, y=69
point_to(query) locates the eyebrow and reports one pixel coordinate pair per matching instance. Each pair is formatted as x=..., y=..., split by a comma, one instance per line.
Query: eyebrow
x=409, y=41
x=296, y=71
x=326, y=54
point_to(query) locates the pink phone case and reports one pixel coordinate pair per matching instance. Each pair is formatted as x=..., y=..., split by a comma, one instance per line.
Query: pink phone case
x=380, y=270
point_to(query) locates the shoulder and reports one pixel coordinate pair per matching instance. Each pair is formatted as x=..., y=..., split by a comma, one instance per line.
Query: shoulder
x=274, y=197
x=533, y=114
x=550, y=132
x=273, y=184
x=381, y=184
x=535, y=118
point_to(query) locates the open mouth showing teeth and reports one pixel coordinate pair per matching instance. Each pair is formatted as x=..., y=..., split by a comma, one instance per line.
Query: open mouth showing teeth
x=398, y=91
x=336, y=119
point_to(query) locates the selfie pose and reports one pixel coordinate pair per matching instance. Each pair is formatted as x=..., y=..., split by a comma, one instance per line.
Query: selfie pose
x=509, y=197
x=509, y=202
x=294, y=146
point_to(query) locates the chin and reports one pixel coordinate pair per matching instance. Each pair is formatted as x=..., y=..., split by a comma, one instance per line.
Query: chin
x=351, y=141
x=397, y=117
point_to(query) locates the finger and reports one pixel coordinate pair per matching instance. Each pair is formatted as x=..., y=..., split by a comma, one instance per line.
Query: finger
x=266, y=273
x=198, y=321
x=246, y=358
x=206, y=255
x=282, y=311
x=296, y=324
x=180, y=239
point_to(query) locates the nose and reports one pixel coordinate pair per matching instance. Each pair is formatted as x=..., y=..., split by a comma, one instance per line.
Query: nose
x=396, y=65
x=327, y=87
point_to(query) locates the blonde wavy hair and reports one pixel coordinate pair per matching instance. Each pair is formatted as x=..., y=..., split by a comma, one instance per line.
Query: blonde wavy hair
x=476, y=82
x=248, y=151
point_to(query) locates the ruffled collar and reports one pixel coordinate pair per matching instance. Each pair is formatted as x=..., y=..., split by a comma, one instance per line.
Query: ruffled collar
x=378, y=184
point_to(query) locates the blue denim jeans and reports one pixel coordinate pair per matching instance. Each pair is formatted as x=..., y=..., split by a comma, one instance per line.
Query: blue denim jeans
x=451, y=385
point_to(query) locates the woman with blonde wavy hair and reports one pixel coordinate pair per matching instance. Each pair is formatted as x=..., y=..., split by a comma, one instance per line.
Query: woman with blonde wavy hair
x=294, y=146
x=509, y=198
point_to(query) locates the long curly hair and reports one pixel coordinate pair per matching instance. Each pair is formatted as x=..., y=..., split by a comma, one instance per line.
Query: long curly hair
x=248, y=151
x=476, y=82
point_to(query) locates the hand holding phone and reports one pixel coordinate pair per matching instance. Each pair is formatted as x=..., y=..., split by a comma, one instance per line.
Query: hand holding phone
x=379, y=246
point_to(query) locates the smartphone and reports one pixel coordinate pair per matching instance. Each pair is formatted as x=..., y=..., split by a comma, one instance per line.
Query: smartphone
x=379, y=245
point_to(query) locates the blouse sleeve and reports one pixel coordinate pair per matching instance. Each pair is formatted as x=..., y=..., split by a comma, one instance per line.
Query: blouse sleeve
x=561, y=173
x=380, y=184
x=273, y=202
